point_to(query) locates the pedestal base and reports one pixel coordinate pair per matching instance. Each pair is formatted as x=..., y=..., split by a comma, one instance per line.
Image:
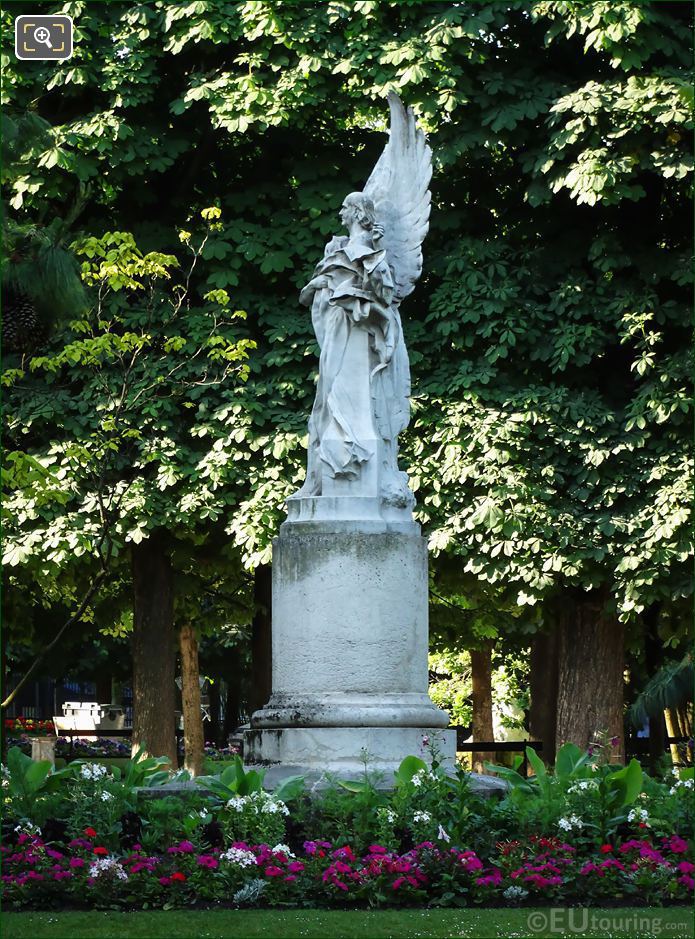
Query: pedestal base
x=347, y=751
x=349, y=650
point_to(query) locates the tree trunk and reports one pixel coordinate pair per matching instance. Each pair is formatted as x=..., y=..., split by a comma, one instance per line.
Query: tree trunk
x=261, y=638
x=481, y=669
x=232, y=708
x=103, y=689
x=215, y=722
x=154, y=650
x=654, y=657
x=193, y=737
x=544, y=676
x=673, y=730
x=590, y=678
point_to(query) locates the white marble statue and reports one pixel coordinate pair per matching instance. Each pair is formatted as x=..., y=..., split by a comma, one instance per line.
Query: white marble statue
x=362, y=396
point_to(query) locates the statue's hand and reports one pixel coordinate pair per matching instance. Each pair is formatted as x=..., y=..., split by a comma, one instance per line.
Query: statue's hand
x=316, y=283
x=377, y=231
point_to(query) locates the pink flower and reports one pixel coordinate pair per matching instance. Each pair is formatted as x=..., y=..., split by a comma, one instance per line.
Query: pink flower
x=207, y=860
x=687, y=881
x=398, y=882
x=376, y=849
x=676, y=844
x=685, y=867
x=295, y=867
x=165, y=881
x=184, y=847
x=76, y=862
x=493, y=879
x=273, y=871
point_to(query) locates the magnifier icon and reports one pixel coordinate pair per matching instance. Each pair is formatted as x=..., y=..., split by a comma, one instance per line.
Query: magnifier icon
x=41, y=34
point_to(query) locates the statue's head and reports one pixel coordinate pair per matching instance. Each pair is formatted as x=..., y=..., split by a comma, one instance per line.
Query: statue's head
x=359, y=207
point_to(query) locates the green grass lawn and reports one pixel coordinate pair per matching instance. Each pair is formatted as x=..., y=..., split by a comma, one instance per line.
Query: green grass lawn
x=638, y=923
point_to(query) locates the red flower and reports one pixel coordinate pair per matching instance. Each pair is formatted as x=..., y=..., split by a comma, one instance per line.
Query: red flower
x=90, y=832
x=177, y=875
x=101, y=851
x=606, y=848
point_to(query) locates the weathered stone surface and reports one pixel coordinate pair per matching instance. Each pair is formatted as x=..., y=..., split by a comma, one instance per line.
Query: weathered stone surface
x=345, y=751
x=350, y=638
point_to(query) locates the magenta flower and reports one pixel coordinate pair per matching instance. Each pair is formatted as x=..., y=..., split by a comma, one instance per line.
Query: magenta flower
x=207, y=860
x=676, y=844
x=273, y=871
x=76, y=862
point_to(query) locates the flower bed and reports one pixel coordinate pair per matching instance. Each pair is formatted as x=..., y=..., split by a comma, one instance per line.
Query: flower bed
x=84, y=872
x=27, y=725
x=589, y=833
x=101, y=747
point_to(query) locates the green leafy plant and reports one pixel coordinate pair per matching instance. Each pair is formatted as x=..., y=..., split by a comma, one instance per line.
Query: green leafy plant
x=30, y=782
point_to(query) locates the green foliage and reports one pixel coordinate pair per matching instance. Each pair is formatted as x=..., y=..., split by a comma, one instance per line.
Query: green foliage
x=549, y=441
x=30, y=782
x=143, y=771
x=670, y=687
x=544, y=798
x=234, y=780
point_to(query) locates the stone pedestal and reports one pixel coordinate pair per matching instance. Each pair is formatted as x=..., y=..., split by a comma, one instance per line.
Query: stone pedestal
x=350, y=636
x=44, y=748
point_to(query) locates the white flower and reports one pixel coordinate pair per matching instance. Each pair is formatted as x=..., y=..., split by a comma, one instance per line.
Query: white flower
x=259, y=802
x=271, y=806
x=515, y=893
x=93, y=771
x=283, y=849
x=680, y=784
x=237, y=803
x=442, y=835
x=583, y=784
x=422, y=774
x=28, y=828
x=391, y=816
x=203, y=813
x=239, y=856
x=123, y=52
x=106, y=797
x=567, y=824
x=422, y=817
x=108, y=865
x=637, y=815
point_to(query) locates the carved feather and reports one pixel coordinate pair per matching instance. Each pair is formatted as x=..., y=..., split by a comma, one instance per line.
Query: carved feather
x=398, y=186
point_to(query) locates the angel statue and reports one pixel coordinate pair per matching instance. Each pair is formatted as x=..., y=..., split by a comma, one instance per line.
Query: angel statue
x=361, y=402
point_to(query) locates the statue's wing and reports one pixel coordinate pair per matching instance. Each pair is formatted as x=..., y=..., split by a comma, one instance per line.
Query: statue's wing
x=398, y=187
